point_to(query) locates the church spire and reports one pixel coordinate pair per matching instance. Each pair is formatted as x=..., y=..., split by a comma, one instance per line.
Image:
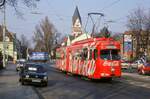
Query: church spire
x=76, y=23
x=76, y=16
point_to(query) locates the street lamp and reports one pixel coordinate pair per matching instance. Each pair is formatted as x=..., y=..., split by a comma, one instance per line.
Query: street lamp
x=2, y=2
x=4, y=32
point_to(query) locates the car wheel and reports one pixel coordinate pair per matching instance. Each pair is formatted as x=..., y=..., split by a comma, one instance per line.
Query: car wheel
x=19, y=79
x=17, y=69
x=22, y=82
x=109, y=79
x=45, y=84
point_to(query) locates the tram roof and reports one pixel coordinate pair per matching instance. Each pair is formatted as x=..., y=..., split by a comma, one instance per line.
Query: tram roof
x=90, y=40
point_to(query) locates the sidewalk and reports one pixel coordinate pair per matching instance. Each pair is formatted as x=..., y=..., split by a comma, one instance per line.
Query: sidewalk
x=136, y=76
x=11, y=87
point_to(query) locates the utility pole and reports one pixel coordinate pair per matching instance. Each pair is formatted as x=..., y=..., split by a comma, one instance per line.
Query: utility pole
x=4, y=32
x=27, y=53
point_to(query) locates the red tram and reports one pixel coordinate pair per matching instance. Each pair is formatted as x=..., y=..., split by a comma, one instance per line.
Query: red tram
x=94, y=58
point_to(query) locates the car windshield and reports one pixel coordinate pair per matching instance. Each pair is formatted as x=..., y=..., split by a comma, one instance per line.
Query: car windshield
x=34, y=68
x=109, y=54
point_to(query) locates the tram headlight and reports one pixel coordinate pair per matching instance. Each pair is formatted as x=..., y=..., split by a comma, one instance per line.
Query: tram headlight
x=112, y=69
x=104, y=74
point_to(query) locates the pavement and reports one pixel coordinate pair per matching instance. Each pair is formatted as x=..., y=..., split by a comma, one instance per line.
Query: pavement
x=10, y=88
x=137, y=76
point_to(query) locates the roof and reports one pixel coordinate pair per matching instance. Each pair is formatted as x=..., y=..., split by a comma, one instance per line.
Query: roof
x=9, y=34
x=81, y=37
x=76, y=16
x=71, y=37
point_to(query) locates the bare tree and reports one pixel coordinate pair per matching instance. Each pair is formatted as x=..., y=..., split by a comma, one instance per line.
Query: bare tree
x=24, y=45
x=139, y=23
x=117, y=36
x=14, y=4
x=147, y=29
x=104, y=32
x=38, y=39
x=24, y=41
x=136, y=20
x=45, y=36
x=147, y=21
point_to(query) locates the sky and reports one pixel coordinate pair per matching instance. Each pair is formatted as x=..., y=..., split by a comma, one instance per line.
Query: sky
x=60, y=14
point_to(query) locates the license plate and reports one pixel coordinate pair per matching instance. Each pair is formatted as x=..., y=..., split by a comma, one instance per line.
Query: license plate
x=36, y=80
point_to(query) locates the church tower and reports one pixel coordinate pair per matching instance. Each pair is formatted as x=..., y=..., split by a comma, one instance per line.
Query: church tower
x=76, y=23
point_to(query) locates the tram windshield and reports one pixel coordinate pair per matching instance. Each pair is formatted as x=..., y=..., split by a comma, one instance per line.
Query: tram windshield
x=110, y=54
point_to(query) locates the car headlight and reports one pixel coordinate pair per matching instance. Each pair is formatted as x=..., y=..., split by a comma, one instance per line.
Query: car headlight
x=27, y=76
x=20, y=64
x=45, y=78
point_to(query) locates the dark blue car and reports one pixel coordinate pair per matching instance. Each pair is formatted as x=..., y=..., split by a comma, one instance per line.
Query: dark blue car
x=34, y=73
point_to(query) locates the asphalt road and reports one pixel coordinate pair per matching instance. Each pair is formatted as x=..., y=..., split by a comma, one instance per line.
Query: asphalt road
x=63, y=86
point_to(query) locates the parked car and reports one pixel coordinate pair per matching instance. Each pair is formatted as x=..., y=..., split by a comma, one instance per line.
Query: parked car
x=134, y=65
x=34, y=73
x=20, y=64
x=125, y=64
x=144, y=68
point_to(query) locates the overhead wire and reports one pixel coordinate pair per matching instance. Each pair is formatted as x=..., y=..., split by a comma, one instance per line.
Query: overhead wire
x=106, y=7
x=59, y=16
x=110, y=5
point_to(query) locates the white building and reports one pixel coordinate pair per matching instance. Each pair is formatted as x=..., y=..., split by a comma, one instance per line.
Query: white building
x=12, y=45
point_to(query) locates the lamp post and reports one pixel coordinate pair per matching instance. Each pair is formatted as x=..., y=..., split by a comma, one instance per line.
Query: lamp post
x=2, y=2
x=4, y=32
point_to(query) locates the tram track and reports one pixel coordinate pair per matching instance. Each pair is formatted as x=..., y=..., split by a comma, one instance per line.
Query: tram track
x=66, y=87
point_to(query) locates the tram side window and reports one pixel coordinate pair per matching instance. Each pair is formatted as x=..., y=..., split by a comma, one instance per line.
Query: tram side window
x=76, y=56
x=90, y=58
x=85, y=54
x=58, y=56
x=95, y=54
